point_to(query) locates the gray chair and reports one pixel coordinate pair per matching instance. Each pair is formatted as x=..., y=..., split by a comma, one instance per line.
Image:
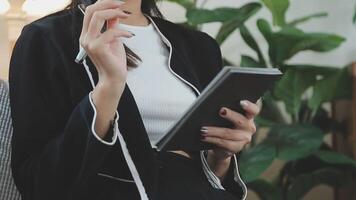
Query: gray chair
x=8, y=189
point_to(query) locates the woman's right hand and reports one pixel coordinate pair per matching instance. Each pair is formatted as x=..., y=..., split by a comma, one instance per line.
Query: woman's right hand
x=109, y=57
x=105, y=49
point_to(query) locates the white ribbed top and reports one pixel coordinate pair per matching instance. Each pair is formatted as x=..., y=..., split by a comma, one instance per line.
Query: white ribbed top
x=161, y=97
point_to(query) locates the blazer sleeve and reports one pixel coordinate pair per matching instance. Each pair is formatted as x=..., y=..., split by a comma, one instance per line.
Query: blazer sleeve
x=211, y=63
x=54, y=148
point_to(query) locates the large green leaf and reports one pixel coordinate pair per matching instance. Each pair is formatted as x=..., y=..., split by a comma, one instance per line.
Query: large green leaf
x=265, y=29
x=278, y=9
x=241, y=16
x=200, y=16
x=271, y=110
x=289, y=41
x=333, y=157
x=307, y=18
x=332, y=87
x=291, y=87
x=266, y=190
x=262, y=122
x=314, y=69
x=251, y=42
x=304, y=183
x=247, y=61
x=294, y=141
x=255, y=160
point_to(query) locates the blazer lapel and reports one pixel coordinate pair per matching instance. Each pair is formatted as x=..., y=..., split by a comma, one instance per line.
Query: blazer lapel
x=131, y=124
x=180, y=60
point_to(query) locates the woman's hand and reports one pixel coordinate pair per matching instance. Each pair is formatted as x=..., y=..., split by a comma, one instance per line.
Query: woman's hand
x=229, y=141
x=109, y=57
x=105, y=49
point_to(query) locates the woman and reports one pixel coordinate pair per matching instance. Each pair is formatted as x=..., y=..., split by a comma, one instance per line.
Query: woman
x=89, y=132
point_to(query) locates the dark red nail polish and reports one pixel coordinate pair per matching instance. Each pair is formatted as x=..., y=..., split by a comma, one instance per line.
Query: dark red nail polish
x=223, y=112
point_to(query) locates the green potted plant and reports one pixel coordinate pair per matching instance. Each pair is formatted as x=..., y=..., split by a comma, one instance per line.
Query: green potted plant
x=294, y=117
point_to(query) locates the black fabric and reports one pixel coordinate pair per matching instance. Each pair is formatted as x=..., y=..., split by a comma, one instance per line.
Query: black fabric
x=55, y=155
x=182, y=178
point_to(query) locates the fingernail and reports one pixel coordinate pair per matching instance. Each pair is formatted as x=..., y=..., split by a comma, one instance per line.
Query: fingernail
x=204, y=130
x=133, y=34
x=223, y=112
x=203, y=137
x=120, y=2
x=127, y=12
x=243, y=103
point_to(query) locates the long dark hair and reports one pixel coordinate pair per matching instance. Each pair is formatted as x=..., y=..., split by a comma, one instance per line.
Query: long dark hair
x=149, y=8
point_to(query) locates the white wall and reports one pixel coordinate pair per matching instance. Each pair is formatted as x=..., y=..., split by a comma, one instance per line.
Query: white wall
x=339, y=21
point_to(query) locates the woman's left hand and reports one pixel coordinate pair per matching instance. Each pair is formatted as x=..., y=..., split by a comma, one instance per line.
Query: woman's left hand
x=229, y=141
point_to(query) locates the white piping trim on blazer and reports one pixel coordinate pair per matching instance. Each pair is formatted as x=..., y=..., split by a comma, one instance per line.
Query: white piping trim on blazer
x=238, y=178
x=170, y=55
x=127, y=156
x=213, y=179
x=115, y=178
x=93, y=125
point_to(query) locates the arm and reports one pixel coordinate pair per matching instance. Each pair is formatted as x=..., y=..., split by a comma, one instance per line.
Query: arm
x=220, y=165
x=57, y=147
x=230, y=141
x=53, y=149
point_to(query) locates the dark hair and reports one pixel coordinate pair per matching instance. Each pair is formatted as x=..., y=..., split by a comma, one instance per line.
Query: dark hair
x=149, y=8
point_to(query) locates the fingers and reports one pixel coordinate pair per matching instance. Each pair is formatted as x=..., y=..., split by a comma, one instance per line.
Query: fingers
x=251, y=109
x=225, y=133
x=231, y=140
x=239, y=120
x=99, y=5
x=107, y=37
x=98, y=20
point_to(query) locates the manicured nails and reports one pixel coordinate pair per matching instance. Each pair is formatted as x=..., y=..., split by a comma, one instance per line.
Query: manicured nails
x=133, y=34
x=204, y=130
x=127, y=12
x=223, y=111
x=119, y=2
x=244, y=103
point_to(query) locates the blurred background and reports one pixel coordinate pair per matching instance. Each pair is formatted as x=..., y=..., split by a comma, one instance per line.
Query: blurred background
x=305, y=147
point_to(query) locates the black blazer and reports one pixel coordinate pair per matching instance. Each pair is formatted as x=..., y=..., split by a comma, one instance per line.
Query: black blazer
x=55, y=155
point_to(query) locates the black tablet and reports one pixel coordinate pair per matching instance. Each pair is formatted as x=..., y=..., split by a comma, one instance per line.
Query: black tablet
x=227, y=89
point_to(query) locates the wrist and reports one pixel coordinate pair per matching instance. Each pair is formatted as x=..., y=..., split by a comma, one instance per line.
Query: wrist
x=110, y=87
x=219, y=157
x=218, y=163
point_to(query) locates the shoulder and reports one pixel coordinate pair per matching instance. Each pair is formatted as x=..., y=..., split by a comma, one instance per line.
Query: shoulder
x=54, y=31
x=43, y=45
x=47, y=41
x=53, y=23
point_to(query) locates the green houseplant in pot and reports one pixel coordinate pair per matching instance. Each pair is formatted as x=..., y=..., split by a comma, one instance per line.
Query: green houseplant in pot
x=295, y=119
